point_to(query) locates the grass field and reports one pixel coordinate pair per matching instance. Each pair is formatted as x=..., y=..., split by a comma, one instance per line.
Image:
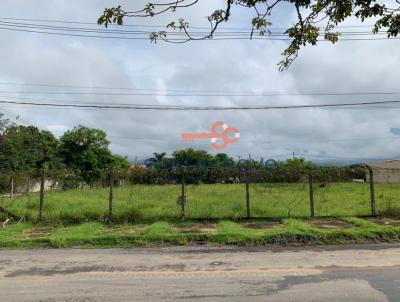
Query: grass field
x=286, y=231
x=149, y=203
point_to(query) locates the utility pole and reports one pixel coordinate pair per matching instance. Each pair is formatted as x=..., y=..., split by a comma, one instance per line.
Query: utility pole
x=294, y=157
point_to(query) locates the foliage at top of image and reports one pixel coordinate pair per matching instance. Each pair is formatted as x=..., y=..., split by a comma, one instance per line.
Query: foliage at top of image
x=316, y=19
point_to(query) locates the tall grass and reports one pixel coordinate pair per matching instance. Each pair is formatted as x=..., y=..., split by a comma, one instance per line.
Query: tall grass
x=160, y=202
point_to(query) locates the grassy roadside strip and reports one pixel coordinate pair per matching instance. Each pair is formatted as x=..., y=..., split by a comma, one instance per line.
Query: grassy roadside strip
x=94, y=234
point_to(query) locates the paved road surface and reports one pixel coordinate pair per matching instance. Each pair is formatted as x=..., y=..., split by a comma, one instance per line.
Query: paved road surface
x=355, y=273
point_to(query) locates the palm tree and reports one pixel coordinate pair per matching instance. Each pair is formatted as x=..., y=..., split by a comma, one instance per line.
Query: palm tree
x=158, y=157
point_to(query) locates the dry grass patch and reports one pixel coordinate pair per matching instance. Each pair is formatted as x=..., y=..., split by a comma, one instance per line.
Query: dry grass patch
x=124, y=229
x=196, y=228
x=261, y=225
x=38, y=232
x=330, y=223
x=385, y=221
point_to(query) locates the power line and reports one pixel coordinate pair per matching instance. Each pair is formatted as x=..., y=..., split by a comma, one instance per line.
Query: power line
x=199, y=94
x=153, y=106
x=111, y=31
x=106, y=33
x=141, y=32
x=114, y=105
x=180, y=40
x=198, y=108
x=188, y=92
x=158, y=26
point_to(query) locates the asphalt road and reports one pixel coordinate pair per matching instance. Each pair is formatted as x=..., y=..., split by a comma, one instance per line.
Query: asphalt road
x=343, y=273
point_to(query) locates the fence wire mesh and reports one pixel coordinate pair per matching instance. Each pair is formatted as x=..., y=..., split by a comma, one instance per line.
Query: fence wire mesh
x=387, y=191
x=279, y=199
x=340, y=194
x=142, y=194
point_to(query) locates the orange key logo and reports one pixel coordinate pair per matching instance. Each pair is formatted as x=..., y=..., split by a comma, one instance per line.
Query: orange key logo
x=219, y=140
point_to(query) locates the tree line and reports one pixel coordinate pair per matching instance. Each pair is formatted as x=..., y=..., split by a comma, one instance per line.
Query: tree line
x=198, y=166
x=81, y=152
x=82, y=156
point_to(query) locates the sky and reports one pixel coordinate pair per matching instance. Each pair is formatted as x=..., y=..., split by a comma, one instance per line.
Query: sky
x=323, y=135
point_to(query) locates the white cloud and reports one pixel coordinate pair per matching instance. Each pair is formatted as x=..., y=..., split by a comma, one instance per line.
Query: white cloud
x=207, y=65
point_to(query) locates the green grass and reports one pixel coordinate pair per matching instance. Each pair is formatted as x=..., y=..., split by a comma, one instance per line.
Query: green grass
x=94, y=234
x=149, y=203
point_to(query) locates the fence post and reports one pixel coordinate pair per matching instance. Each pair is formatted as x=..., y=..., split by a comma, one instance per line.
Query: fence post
x=310, y=182
x=41, y=197
x=247, y=197
x=183, y=196
x=12, y=187
x=110, y=197
x=372, y=190
x=28, y=185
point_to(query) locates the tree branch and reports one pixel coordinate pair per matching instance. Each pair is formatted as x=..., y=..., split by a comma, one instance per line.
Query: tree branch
x=305, y=32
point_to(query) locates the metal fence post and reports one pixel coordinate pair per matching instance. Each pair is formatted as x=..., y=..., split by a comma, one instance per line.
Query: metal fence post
x=41, y=198
x=183, y=196
x=247, y=197
x=110, y=197
x=28, y=186
x=310, y=182
x=372, y=190
x=12, y=187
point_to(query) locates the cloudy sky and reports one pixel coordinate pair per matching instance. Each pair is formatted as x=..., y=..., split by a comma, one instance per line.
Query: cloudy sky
x=236, y=66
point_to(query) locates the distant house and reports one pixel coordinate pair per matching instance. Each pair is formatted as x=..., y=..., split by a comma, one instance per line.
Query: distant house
x=138, y=169
x=386, y=171
x=138, y=166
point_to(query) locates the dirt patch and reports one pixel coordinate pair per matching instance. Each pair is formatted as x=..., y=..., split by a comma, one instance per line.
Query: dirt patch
x=330, y=224
x=38, y=232
x=126, y=230
x=261, y=225
x=385, y=221
x=196, y=228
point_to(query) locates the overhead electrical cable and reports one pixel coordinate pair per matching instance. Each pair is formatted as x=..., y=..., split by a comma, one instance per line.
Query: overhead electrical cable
x=187, y=92
x=180, y=40
x=199, y=94
x=197, y=108
x=120, y=31
x=173, y=36
x=158, y=26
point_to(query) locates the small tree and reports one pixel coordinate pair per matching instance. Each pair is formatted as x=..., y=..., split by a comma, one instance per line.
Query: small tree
x=85, y=151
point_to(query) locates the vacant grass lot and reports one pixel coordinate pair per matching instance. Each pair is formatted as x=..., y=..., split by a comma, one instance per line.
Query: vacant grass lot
x=144, y=203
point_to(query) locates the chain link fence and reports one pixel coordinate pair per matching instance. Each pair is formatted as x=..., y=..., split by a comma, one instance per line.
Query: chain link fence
x=340, y=194
x=142, y=194
x=387, y=191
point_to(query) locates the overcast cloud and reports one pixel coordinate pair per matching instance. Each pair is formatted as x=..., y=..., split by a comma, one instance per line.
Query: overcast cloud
x=241, y=65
